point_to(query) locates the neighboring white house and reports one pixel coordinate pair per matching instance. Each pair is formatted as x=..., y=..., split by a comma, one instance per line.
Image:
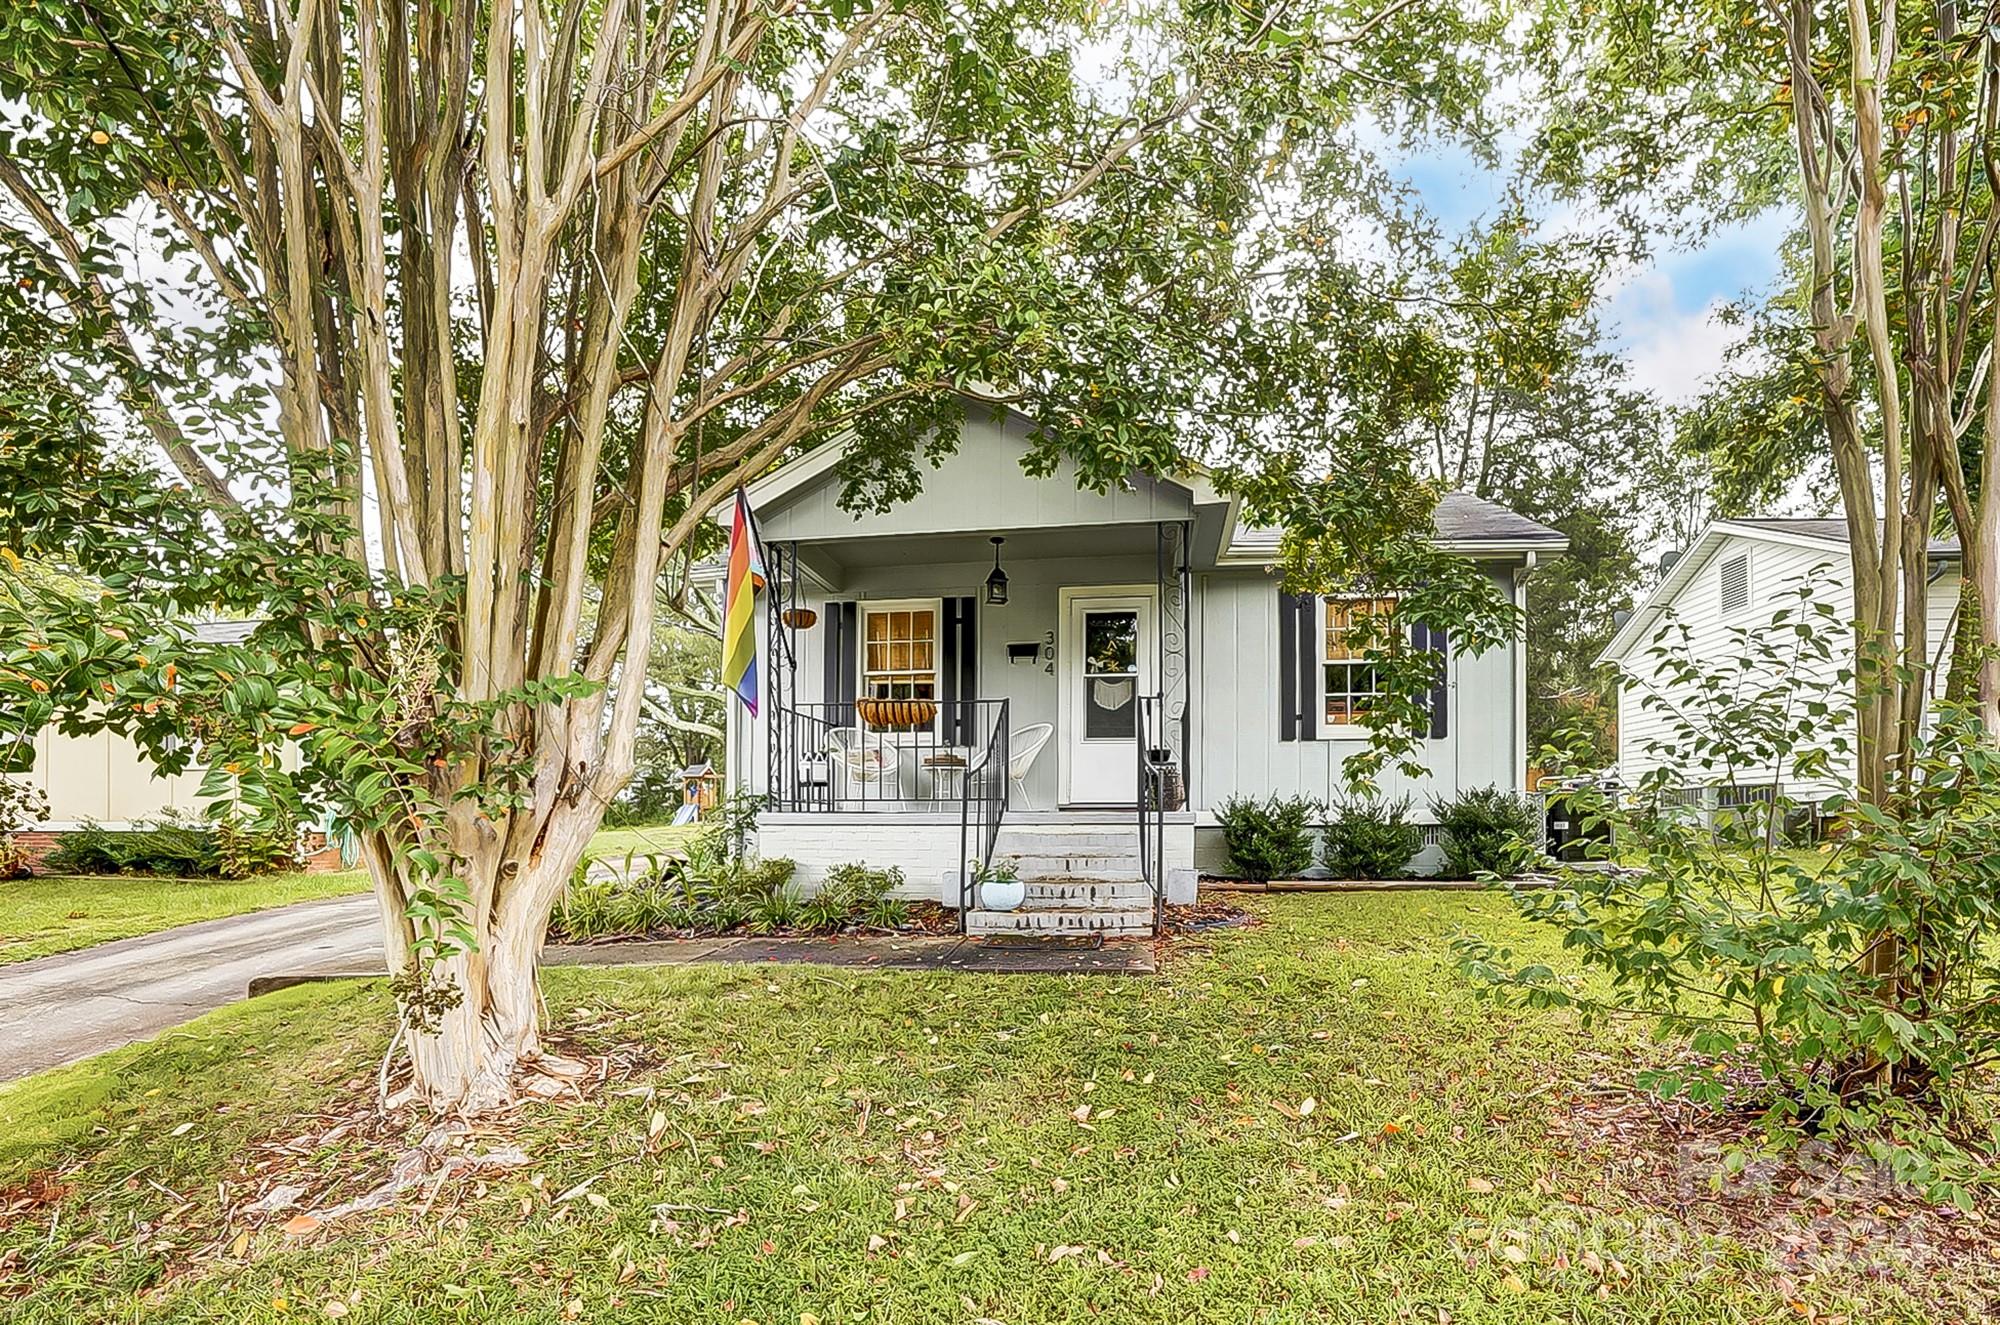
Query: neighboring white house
x=103, y=778
x=1737, y=573
x=1139, y=636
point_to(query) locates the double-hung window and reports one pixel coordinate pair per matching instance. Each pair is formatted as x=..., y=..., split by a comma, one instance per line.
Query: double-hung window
x=899, y=650
x=1349, y=682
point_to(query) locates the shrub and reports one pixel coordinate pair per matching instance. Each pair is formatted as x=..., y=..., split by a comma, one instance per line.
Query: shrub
x=698, y=892
x=854, y=892
x=1485, y=830
x=176, y=846
x=1271, y=838
x=1842, y=996
x=1371, y=838
x=244, y=850
x=777, y=912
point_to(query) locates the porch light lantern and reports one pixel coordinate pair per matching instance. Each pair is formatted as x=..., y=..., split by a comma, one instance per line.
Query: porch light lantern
x=996, y=583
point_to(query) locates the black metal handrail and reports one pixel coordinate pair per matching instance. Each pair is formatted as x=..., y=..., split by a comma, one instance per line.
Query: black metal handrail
x=982, y=808
x=1155, y=761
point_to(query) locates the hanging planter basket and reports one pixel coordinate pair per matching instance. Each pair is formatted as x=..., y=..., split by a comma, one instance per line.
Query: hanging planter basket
x=896, y=714
x=799, y=618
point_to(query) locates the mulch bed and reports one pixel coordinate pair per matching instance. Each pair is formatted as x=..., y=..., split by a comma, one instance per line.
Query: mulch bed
x=1207, y=913
x=925, y=918
x=1817, y=1211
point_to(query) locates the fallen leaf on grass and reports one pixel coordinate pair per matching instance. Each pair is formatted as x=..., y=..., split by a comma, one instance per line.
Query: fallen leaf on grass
x=1479, y=1185
x=1197, y=1274
x=300, y=1225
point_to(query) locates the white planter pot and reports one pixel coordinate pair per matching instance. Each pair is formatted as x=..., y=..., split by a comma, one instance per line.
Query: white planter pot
x=1002, y=894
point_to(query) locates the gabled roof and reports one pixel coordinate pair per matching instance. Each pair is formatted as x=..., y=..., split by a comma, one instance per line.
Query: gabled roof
x=1462, y=523
x=1823, y=529
x=1808, y=532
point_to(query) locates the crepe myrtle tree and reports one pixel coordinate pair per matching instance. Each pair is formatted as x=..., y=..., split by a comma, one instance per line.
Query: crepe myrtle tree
x=430, y=335
x=1871, y=127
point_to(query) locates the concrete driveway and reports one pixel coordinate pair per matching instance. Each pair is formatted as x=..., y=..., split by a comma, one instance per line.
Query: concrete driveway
x=55, y=1010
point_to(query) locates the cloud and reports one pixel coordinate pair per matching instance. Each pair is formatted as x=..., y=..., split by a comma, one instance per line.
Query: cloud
x=1667, y=315
x=1671, y=351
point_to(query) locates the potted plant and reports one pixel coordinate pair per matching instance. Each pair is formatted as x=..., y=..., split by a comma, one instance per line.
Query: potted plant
x=999, y=886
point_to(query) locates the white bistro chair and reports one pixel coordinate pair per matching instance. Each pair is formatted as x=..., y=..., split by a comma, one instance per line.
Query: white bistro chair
x=864, y=765
x=1022, y=747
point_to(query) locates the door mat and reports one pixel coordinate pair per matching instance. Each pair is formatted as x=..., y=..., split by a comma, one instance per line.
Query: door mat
x=1045, y=942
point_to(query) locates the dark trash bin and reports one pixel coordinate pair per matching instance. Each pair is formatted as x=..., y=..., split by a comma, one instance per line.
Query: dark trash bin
x=1572, y=837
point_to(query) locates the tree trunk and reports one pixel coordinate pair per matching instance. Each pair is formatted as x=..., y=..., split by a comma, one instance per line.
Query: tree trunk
x=476, y=1021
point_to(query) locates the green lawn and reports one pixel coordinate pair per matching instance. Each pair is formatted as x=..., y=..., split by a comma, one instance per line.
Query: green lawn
x=616, y=842
x=49, y=914
x=907, y=1148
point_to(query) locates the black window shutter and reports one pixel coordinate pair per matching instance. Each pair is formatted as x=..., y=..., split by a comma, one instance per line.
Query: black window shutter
x=839, y=666
x=1436, y=640
x=957, y=678
x=1298, y=653
x=1288, y=666
x=1309, y=662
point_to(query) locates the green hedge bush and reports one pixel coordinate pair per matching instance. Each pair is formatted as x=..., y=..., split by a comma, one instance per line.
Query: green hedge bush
x=1371, y=838
x=1270, y=838
x=1485, y=830
x=175, y=846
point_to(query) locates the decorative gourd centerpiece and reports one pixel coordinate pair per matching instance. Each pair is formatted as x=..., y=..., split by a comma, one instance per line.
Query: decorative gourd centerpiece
x=896, y=715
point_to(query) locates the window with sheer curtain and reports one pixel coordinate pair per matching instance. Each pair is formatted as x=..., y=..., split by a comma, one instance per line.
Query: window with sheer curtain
x=899, y=651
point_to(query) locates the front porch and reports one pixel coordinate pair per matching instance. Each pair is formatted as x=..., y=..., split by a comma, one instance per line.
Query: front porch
x=994, y=670
x=923, y=718
x=899, y=666
x=931, y=847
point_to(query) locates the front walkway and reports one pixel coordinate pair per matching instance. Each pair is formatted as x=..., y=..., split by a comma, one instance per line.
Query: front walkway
x=59, y=1009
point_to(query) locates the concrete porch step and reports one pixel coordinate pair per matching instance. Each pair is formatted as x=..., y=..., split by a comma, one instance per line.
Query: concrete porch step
x=1073, y=867
x=1069, y=894
x=1106, y=922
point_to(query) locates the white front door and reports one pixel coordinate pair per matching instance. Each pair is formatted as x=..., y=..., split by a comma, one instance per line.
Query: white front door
x=1106, y=658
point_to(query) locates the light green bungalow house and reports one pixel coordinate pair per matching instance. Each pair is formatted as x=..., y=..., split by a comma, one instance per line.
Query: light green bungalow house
x=1011, y=671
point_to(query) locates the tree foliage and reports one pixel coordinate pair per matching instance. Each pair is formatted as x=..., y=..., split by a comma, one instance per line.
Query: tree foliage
x=1850, y=992
x=1873, y=123
x=435, y=333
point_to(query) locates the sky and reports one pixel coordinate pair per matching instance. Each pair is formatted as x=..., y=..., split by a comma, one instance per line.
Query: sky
x=1662, y=315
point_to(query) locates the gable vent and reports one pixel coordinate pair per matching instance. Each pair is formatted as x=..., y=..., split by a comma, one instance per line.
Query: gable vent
x=1735, y=588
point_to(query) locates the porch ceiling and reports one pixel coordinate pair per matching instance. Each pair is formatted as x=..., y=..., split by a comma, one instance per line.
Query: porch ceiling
x=1022, y=545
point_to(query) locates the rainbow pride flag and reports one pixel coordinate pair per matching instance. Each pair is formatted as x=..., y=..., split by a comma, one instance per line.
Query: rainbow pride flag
x=739, y=606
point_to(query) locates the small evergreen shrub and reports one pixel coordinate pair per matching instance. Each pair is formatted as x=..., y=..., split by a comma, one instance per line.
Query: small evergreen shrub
x=176, y=846
x=1270, y=838
x=854, y=892
x=244, y=850
x=1371, y=838
x=698, y=893
x=1485, y=830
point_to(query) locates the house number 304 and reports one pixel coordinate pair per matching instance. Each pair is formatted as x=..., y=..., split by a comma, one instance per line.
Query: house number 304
x=1049, y=651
